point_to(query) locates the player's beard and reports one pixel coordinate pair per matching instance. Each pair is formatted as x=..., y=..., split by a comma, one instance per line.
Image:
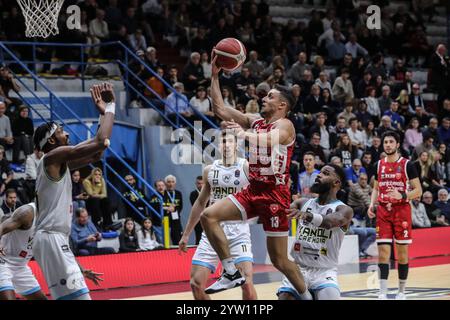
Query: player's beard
x=391, y=153
x=320, y=188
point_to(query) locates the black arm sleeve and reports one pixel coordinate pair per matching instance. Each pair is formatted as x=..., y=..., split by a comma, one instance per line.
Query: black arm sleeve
x=375, y=165
x=411, y=170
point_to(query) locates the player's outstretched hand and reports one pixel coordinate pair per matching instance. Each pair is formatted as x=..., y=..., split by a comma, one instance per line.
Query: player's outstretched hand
x=294, y=213
x=234, y=128
x=97, y=98
x=182, y=245
x=93, y=276
x=107, y=92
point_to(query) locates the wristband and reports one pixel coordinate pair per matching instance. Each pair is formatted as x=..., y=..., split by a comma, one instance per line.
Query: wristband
x=317, y=219
x=110, y=107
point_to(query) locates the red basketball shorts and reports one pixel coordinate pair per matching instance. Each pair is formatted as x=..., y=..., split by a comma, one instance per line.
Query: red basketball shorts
x=268, y=204
x=395, y=223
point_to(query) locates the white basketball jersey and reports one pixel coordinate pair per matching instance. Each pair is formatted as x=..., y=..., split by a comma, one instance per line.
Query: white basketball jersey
x=314, y=246
x=53, y=201
x=18, y=243
x=223, y=182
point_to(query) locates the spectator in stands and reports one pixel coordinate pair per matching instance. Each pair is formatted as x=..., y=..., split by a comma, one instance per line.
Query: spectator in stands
x=432, y=129
x=419, y=215
x=330, y=106
x=5, y=169
x=306, y=82
x=277, y=77
x=433, y=213
x=377, y=67
x=173, y=203
x=354, y=48
x=397, y=122
x=413, y=136
x=356, y=136
x=193, y=197
x=445, y=110
x=348, y=63
x=7, y=83
x=363, y=84
x=443, y=204
x=206, y=65
x=172, y=76
x=6, y=136
x=318, y=67
x=336, y=50
x=445, y=159
x=314, y=102
x=368, y=164
x=347, y=114
x=307, y=178
x=135, y=196
x=314, y=147
x=444, y=131
x=361, y=114
x=79, y=196
x=415, y=98
x=152, y=61
x=426, y=146
x=128, y=238
x=422, y=116
x=159, y=90
x=98, y=203
x=426, y=175
x=11, y=202
x=113, y=15
x=200, y=41
x=249, y=95
x=359, y=196
x=297, y=71
x=31, y=165
x=339, y=130
x=146, y=236
x=324, y=132
x=137, y=40
x=155, y=200
x=22, y=129
x=178, y=104
x=85, y=235
x=385, y=125
x=368, y=133
x=193, y=75
x=202, y=103
x=343, y=87
x=322, y=81
x=353, y=173
x=385, y=100
x=255, y=66
x=98, y=27
x=366, y=236
x=440, y=72
x=346, y=151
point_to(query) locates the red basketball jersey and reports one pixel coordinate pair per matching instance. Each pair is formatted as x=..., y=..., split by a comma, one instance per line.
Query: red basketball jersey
x=392, y=175
x=269, y=166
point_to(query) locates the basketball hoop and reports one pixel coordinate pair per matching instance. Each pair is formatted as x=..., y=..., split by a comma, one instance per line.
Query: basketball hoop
x=41, y=17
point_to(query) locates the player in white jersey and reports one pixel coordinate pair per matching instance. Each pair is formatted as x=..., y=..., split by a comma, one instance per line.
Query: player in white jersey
x=16, y=236
x=222, y=178
x=323, y=222
x=64, y=277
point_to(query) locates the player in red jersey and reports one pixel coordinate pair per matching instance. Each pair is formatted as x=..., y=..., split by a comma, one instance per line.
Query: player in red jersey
x=396, y=183
x=271, y=143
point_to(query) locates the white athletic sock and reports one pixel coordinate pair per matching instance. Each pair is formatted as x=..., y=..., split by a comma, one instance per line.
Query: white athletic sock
x=383, y=286
x=228, y=265
x=401, y=286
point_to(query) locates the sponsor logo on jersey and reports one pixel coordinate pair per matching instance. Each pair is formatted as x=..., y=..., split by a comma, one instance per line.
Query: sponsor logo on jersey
x=215, y=182
x=324, y=251
x=274, y=207
x=314, y=235
x=226, y=178
x=237, y=173
x=65, y=248
x=23, y=254
x=236, y=182
x=297, y=246
x=405, y=224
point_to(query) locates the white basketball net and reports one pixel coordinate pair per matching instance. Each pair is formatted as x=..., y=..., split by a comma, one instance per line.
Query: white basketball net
x=41, y=17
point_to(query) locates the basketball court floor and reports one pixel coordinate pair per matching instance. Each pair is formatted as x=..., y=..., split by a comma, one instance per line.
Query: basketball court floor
x=429, y=279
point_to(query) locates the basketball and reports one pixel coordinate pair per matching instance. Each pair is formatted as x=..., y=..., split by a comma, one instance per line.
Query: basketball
x=231, y=54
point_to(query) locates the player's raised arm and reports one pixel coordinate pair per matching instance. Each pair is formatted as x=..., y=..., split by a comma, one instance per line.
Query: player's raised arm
x=89, y=150
x=341, y=218
x=283, y=133
x=22, y=218
x=197, y=208
x=218, y=105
